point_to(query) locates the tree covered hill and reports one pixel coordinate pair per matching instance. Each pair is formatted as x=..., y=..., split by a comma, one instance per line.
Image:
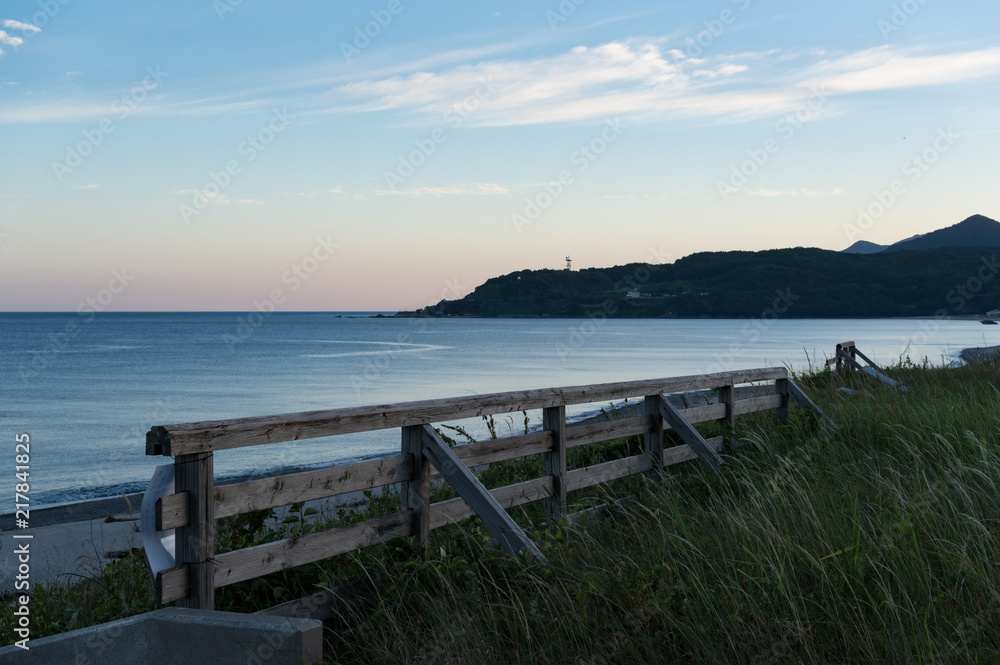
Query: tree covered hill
x=799, y=283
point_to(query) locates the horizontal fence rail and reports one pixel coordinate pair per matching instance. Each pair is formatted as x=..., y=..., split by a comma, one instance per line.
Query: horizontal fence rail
x=198, y=502
x=211, y=436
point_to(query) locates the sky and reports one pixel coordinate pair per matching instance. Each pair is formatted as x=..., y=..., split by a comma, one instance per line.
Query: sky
x=232, y=155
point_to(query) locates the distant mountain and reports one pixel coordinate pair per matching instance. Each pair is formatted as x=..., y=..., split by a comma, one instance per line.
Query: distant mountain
x=923, y=275
x=797, y=283
x=976, y=231
x=864, y=247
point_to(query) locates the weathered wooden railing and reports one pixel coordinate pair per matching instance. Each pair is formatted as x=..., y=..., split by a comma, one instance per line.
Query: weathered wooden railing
x=198, y=502
x=846, y=355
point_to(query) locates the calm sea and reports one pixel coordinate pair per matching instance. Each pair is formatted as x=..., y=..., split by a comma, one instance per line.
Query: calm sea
x=88, y=389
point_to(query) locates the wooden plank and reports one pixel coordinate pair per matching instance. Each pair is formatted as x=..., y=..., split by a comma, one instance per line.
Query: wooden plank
x=153, y=445
x=195, y=542
x=838, y=358
x=172, y=511
x=755, y=404
x=653, y=439
x=892, y=383
x=800, y=396
x=702, y=414
x=500, y=524
x=781, y=390
x=499, y=450
x=727, y=398
x=554, y=461
x=607, y=471
x=204, y=436
x=683, y=453
x=509, y=496
x=260, y=560
x=843, y=347
x=868, y=360
x=173, y=584
x=690, y=435
x=415, y=494
x=263, y=493
x=582, y=435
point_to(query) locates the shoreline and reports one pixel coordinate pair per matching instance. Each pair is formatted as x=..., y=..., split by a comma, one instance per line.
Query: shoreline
x=979, y=354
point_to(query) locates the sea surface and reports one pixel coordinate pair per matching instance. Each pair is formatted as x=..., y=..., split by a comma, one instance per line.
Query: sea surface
x=87, y=388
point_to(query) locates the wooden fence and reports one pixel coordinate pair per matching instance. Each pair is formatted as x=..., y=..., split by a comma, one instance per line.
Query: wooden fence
x=846, y=355
x=198, y=502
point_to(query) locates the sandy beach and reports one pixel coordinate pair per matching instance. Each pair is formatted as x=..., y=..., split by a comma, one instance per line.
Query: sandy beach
x=61, y=552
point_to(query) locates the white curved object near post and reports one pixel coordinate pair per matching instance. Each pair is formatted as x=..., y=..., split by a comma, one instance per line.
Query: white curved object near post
x=159, y=544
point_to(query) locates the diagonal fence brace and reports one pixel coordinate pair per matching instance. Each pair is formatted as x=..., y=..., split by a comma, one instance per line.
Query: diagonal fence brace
x=479, y=499
x=871, y=371
x=800, y=396
x=690, y=435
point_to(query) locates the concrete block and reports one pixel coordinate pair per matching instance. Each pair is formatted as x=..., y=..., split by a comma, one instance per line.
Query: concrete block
x=180, y=636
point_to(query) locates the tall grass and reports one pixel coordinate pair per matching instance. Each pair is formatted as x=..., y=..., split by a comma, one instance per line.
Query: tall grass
x=879, y=542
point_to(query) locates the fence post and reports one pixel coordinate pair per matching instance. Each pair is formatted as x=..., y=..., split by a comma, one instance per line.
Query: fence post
x=195, y=544
x=727, y=396
x=554, y=461
x=416, y=492
x=653, y=444
x=781, y=388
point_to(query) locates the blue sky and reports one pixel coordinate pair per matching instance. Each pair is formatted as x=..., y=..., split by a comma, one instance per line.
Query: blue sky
x=382, y=155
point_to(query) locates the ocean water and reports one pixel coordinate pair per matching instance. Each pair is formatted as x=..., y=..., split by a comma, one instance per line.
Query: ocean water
x=87, y=388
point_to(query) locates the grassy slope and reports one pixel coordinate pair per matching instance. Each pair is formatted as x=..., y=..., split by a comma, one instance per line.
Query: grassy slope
x=880, y=543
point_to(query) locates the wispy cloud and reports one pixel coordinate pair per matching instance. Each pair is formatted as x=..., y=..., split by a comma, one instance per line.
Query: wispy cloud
x=639, y=79
x=773, y=193
x=88, y=186
x=9, y=40
x=884, y=68
x=18, y=25
x=474, y=189
x=12, y=40
x=251, y=202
